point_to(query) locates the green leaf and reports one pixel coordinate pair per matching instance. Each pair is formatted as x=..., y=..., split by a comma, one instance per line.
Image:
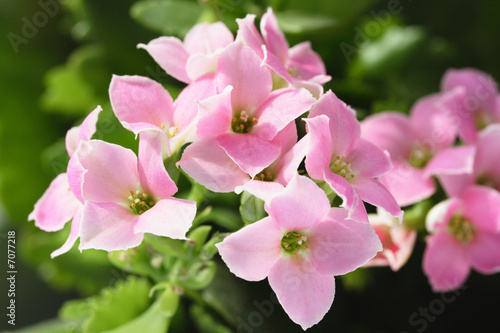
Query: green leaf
x=206, y=323
x=209, y=249
x=199, y=236
x=357, y=280
x=198, y=276
x=49, y=326
x=300, y=22
x=167, y=17
x=224, y=217
x=165, y=245
x=116, y=306
x=136, y=260
x=251, y=208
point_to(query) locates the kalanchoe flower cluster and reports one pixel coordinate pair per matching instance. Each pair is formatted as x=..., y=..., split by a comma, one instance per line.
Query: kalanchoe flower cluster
x=464, y=229
x=237, y=117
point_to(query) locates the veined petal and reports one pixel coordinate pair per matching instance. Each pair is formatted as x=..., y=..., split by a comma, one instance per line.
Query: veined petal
x=73, y=234
x=152, y=174
x=251, y=153
x=369, y=161
x=306, y=63
x=349, y=197
x=251, y=252
x=339, y=246
x=445, y=262
x=111, y=171
x=137, y=99
x=273, y=36
x=289, y=162
x=484, y=252
x=215, y=115
x=238, y=66
x=261, y=189
x=170, y=217
x=306, y=295
x=248, y=34
x=373, y=192
x=344, y=127
x=170, y=54
x=207, y=163
x=300, y=206
x=200, y=64
x=83, y=132
x=205, y=38
x=57, y=205
x=319, y=150
x=108, y=226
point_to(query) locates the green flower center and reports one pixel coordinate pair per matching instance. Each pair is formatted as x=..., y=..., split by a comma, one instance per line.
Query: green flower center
x=242, y=122
x=140, y=202
x=420, y=156
x=265, y=176
x=461, y=229
x=294, y=242
x=482, y=119
x=342, y=168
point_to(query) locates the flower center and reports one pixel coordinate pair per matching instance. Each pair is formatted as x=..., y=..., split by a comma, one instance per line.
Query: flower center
x=342, y=168
x=294, y=242
x=482, y=119
x=461, y=229
x=140, y=201
x=487, y=181
x=265, y=176
x=242, y=123
x=419, y=156
x=171, y=131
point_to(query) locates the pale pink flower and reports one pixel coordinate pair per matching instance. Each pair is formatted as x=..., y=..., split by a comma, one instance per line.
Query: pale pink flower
x=485, y=169
x=189, y=60
x=349, y=164
x=397, y=240
x=237, y=129
x=419, y=146
x=300, y=247
x=481, y=105
x=126, y=196
x=299, y=65
x=465, y=234
x=142, y=104
x=59, y=204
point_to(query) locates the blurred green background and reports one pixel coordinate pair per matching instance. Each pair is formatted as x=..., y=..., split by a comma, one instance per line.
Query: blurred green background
x=56, y=62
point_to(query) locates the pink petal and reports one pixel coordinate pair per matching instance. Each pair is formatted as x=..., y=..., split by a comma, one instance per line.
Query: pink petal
x=455, y=184
x=404, y=240
x=238, y=66
x=83, y=132
x=76, y=173
x=349, y=197
x=251, y=153
x=440, y=215
x=263, y=190
x=215, y=115
x=431, y=119
x=407, y=184
x=452, y=161
x=339, y=246
x=488, y=153
x=445, y=262
x=205, y=38
x=169, y=217
x=274, y=37
x=57, y=205
x=152, y=174
x=390, y=131
x=284, y=106
x=207, y=163
x=373, y=192
x=200, y=64
x=111, y=171
x=251, y=252
x=344, y=127
x=289, y=162
x=300, y=206
x=306, y=295
x=368, y=161
x=248, y=34
x=137, y=99
x=276, y=65
x=109, y=227
x=482, y=207
x=170, y=54
x=319, y=150
x=484, y=252
x=306, y=63
x=73, y=235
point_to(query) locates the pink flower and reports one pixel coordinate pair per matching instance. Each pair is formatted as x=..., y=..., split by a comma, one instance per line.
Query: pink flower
x=419, y=146
x=481, y=105
x=126, y=197
x=195, y=57
x=238, y=128
x=299, y=65
x=349, y=164
x=59, y=204
x=142, y=104
x=465, y=234
x=485, y=169
x=397, y=240
x=300, y=247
